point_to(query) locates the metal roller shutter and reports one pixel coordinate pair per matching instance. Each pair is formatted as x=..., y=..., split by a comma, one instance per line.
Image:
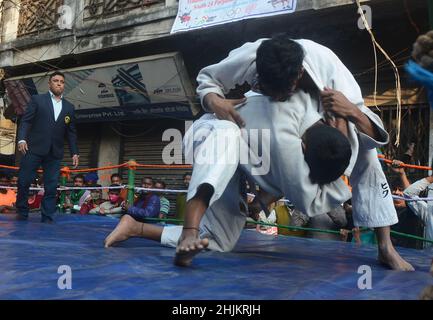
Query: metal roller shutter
x=88, y=138
x=142, y=141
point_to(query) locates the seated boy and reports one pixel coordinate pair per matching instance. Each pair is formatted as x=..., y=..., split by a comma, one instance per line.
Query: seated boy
x=93, y=200
x=112, y=206
x=147, y=205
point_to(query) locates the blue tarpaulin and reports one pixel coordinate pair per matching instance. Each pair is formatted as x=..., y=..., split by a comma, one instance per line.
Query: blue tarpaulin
x=260, y=267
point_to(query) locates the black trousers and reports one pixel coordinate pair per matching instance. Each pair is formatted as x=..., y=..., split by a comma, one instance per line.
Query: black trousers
x=27, y=173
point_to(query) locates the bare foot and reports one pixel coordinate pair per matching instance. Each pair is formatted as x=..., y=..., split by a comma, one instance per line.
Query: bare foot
x=357, y=235
x=390, y=258
x=189, y=245
x=427, y=293
x=344, y=235
x=125, y=229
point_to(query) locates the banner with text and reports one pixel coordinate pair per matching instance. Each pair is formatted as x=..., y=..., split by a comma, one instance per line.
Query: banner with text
x=194, y=14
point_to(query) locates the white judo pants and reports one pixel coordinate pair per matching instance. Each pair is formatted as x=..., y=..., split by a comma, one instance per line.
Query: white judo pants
x=216, y=162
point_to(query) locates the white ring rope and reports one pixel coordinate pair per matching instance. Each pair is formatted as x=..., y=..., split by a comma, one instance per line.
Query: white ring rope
x=180, y=191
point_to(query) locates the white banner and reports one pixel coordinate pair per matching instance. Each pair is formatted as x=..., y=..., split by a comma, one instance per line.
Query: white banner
x=194, y=14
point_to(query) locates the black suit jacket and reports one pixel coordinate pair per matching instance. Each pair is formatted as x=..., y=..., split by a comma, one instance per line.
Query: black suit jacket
x=42, y=133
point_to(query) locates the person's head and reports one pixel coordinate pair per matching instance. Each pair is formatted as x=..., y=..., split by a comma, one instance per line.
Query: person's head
x=114, y=193
x=14, y=180
x=186, y=179
x=96, y=194
x=422, y=53
x=91, y=178
x=116, y=179
x=327, y=152
x=279, y=66
x=4, y=181
x=56, y=83
x=79, y=180
x=147, y=182
x=397, y=190
x=160, y=185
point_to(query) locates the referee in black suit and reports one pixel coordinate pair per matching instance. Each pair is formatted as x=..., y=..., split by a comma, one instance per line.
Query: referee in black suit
x=48, y=119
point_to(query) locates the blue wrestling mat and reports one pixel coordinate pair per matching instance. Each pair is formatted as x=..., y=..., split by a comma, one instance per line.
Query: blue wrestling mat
x=260, y=267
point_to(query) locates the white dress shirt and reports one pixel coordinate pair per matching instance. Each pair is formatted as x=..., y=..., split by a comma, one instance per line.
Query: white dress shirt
x=57, y=105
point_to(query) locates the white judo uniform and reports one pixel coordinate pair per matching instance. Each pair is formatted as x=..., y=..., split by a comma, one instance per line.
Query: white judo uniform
x=288, y=172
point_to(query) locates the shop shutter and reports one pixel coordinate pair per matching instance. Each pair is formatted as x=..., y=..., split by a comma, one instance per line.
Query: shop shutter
x=88, y=138
x=142, y=141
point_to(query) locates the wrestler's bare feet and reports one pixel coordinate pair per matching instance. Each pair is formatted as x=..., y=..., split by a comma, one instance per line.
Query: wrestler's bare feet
x=189, y=245
x=390, y=258
x=125, y=229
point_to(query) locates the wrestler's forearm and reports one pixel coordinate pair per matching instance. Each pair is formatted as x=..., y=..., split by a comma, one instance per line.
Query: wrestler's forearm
x=364, y=124
x=209, y=101
x=404, y=180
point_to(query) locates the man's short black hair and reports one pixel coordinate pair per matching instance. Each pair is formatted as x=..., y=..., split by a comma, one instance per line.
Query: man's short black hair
x=279, y=64
x=148, y=178
x=56, y=73
x=396, y=184
x=79, y=176
x=327, y=153
x=115, y=175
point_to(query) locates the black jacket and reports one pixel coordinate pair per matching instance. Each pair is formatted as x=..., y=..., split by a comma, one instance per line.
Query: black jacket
x=42, y=133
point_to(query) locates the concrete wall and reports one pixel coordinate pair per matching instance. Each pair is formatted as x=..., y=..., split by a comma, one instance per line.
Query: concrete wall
x=9, y=21
x=109, y=150
x=1, y=22
x=137, y=25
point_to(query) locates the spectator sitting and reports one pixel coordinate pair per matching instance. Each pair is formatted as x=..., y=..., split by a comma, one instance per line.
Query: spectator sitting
x=112, y=206
x=334, y=220
x=93, y=200
x=271, y=219
x=181, y=198
x=116, y=179
x=35, y=198
x=422, y=209
x=77, y=197
x=163, y=201
x=408, y=222
x=147, y=205
x=8, y=197
x=14, y=180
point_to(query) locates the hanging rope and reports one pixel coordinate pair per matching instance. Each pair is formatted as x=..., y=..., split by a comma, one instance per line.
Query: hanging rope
x=394, y=67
